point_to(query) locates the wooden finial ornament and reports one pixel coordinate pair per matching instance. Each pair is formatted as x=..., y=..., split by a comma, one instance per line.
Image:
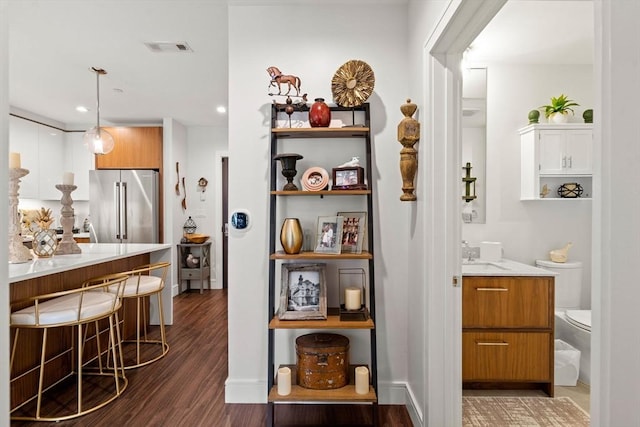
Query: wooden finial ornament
x=408, y=135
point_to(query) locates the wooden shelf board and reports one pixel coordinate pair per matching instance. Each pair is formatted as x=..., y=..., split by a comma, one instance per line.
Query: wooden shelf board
x=314, y=255
x=346, y=132
x=301, y=394
x=322, y=193
x=332, y=322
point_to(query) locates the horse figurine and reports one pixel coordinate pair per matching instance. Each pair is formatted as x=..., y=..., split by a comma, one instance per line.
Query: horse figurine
x=277, y=79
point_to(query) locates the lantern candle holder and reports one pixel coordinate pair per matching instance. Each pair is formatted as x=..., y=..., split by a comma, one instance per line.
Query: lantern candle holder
x=352, y=293
x=469, y=184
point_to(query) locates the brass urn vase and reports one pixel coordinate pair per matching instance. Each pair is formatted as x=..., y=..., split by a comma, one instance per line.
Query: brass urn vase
x=291, y=236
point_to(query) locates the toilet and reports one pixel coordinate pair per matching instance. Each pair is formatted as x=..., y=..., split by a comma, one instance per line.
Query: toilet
x=572, y=324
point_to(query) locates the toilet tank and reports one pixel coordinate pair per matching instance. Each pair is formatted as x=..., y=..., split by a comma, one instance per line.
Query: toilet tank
x=568, y=283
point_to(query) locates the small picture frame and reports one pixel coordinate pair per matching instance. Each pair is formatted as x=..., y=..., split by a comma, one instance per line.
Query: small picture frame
x=348, y=178
x=353, y=231
x=303, y=293
x=329, y=234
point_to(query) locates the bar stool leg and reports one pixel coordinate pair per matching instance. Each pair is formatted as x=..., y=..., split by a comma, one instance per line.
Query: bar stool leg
x=41, y=373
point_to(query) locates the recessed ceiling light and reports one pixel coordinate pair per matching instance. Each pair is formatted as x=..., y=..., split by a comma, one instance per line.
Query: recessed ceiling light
x=118, y=90
x=221, y=109
x=82, y=109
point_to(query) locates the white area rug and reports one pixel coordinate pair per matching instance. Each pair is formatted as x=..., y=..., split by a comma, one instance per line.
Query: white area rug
x=522, y=411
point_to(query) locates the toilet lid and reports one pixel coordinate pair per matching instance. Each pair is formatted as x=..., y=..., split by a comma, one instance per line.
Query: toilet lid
x=580, y=318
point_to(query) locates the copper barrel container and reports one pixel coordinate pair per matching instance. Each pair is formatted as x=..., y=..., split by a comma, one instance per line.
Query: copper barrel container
x=323, y=361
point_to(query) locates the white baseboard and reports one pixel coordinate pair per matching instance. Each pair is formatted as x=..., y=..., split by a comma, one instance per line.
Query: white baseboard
x=175, y=290
x=245, y=391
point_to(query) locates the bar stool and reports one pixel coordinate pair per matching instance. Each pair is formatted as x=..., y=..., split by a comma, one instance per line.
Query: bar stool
x=144, y=281
x=74, y=308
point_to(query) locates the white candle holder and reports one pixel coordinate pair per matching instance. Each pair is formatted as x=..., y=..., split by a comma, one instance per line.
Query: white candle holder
x=362, y=380
x=284, y=381
x=68, y=244
x=18, y=253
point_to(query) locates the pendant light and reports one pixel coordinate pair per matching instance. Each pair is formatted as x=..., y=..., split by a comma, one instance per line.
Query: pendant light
x=97, y=140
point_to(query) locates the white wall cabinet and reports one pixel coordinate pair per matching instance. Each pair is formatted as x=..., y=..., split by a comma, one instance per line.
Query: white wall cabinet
x=78, y=160
x=47, y=153
x=553, y=155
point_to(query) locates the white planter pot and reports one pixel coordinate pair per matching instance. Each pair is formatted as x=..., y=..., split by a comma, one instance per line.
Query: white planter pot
x=558, y=118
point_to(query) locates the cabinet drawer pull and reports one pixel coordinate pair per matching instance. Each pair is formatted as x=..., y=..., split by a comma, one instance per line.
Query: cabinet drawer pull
x=495, y=343
x=493, y=289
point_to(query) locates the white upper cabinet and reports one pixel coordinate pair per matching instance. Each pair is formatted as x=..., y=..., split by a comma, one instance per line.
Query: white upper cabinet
x=79, y=161
x=553, y=155
x=565, y=151
x=47, y=153
x=23, y=139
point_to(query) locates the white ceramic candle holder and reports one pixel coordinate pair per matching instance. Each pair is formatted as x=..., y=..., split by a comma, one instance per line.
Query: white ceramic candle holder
x=68, y=244
x=18, y=253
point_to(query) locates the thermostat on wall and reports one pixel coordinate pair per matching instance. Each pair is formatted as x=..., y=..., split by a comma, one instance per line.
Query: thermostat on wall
x=240, y=220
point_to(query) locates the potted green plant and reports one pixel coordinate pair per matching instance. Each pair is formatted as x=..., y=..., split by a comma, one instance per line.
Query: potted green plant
x=558, y=110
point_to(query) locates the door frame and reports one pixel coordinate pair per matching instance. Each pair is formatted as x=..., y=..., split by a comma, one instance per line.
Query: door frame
x=463, y=20
x=219, y=220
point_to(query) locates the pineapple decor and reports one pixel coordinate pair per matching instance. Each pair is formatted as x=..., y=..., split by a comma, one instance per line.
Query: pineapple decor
x=45, y=241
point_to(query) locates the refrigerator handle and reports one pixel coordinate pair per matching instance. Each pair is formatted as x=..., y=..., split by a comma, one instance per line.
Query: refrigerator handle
x=123, y=210
x=116, y=204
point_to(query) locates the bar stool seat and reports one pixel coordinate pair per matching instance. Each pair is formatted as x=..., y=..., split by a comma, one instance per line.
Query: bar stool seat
x=74, y=308
x=145, y=281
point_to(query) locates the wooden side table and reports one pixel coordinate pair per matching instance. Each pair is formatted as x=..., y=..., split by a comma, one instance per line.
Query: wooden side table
x=201, y=270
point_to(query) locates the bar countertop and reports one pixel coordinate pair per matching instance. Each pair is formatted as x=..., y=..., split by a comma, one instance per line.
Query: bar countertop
x=92, y=253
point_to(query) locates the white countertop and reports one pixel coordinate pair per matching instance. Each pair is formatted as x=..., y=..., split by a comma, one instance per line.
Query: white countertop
x=505, y=267
x=92, y=253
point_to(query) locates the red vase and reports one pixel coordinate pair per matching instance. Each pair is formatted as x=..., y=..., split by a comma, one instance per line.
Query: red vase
x=319, y=114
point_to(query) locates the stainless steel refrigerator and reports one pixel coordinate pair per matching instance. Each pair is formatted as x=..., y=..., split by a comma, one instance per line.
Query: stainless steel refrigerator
x=123, y=205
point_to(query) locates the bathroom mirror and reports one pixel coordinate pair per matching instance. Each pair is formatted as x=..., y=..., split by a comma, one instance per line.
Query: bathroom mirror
x=474, y=132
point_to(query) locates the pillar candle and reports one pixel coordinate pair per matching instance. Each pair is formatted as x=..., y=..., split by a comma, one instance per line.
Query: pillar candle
x=14, y=160
x=352, y=298
x=67, y=178
x=362, y=380
x=284, y=381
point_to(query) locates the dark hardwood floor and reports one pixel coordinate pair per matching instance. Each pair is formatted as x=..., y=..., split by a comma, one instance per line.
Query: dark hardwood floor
x=186, y=387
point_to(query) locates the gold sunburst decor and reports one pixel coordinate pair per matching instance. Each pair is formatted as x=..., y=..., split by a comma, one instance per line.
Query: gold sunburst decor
x=352, y=84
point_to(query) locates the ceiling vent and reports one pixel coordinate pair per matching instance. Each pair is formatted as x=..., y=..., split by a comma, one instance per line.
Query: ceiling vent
x=161, y=47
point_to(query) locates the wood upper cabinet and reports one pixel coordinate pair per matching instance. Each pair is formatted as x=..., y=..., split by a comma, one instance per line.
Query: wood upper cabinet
x=507, y=331
x=135, y=148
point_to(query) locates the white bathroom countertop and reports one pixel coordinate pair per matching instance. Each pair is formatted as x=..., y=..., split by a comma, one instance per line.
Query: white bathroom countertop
x=505, y=267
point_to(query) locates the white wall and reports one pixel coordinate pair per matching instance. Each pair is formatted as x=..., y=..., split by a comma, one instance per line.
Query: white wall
x=4, y=155
x=319, y=40
x=174, y=149
x=423, y=17
x=203, y=143
x=530, y=229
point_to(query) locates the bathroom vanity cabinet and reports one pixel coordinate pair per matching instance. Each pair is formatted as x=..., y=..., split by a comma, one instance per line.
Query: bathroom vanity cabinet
x=507, y=332
x=555, y=154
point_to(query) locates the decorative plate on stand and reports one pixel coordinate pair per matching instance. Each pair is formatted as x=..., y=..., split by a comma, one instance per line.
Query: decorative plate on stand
x=315, y=179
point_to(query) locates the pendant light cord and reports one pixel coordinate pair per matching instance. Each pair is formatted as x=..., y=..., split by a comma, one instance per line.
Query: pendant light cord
x=98, y=71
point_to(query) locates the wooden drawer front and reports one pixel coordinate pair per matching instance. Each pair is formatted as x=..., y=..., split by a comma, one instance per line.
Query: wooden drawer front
x=506, y=356
x=507, y=302
x=194, y=273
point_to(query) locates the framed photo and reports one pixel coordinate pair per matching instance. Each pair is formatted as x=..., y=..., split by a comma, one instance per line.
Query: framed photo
x=353, y=231
x=349, y=178
x=303, y=294
x=329, y=234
